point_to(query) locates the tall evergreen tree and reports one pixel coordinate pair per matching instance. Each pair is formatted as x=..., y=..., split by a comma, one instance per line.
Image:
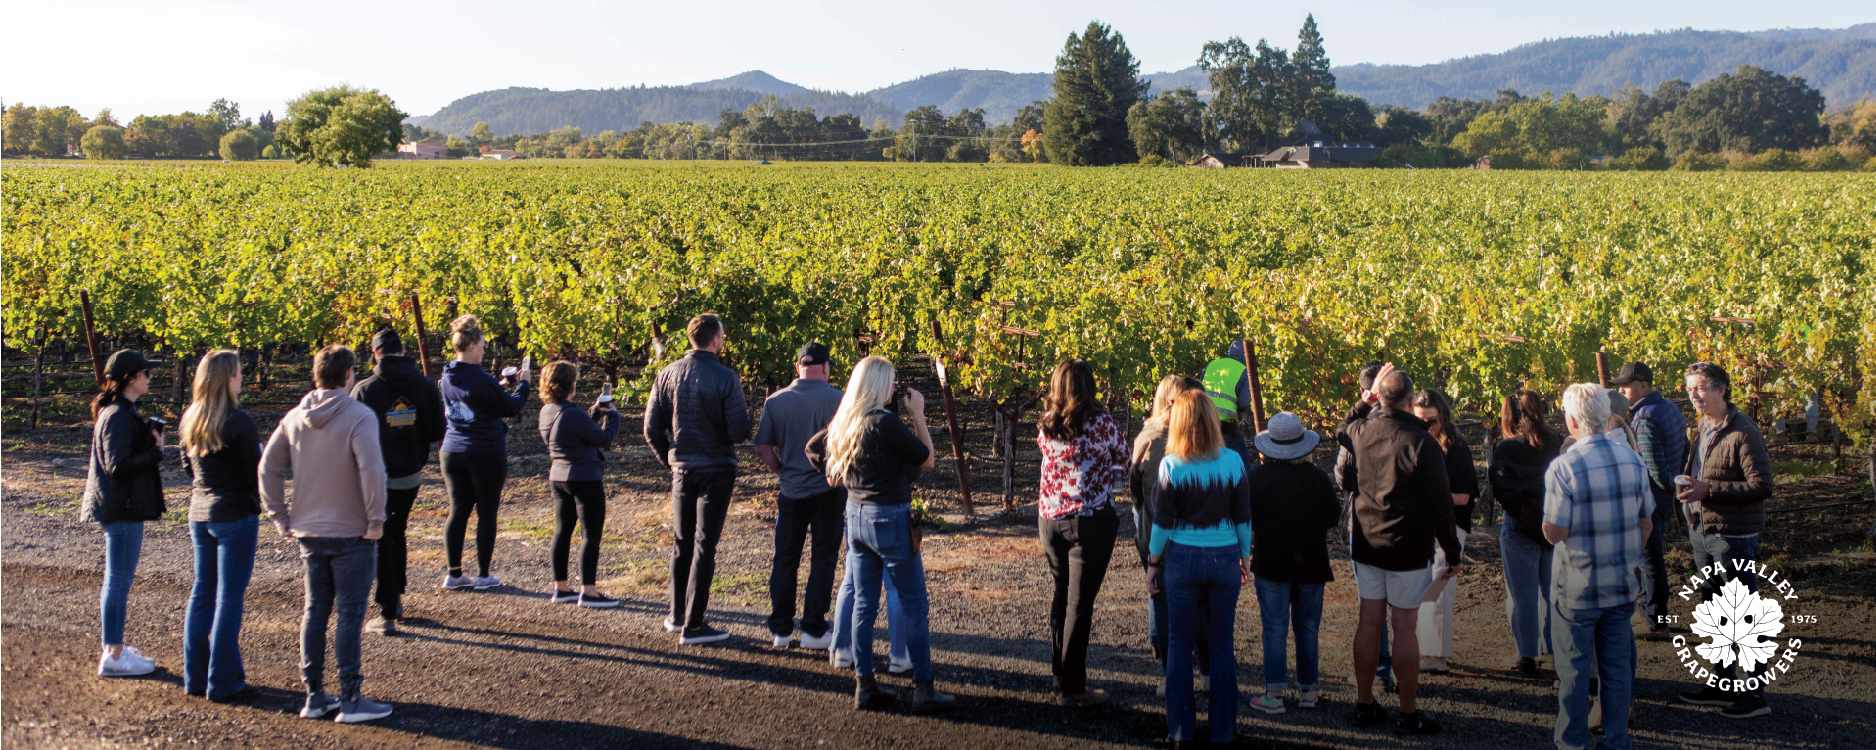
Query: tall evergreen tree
x=1096, y=81
x=1310, y=63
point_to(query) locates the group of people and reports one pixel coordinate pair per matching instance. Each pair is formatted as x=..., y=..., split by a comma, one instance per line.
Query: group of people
x=1582, y=542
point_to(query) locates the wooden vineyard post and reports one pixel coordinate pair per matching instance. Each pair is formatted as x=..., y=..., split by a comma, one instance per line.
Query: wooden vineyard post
x=1012, y=410
x=423, y=336
x=176, y=387
x=1257, y=385
x=91, y=335
x=39, y=366
x=1602, y=368
x=951, y=423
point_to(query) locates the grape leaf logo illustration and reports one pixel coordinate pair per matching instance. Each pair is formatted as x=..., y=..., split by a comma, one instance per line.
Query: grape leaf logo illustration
x=1739, y=626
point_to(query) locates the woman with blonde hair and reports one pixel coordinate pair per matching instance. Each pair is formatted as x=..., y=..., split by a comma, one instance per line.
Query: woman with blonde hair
x=474, y=453
x=1143, y=482
x=870, y=451
x=1201, y=549
x=221, y=449
x=576, y=444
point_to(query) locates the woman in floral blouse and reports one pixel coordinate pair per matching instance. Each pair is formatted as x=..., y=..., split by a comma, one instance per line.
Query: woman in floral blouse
x=1084, y=455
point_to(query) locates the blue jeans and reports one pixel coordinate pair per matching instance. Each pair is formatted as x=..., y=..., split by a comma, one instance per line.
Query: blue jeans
x=1654, y=575
x=1157, y=628
x=1192, y=572
x=1713, y=549
x=843, y=617
x=1286, y=607
x=879, y=545
x=339, y=572
x=211, y=646
x=1527, y=590
x=123, y=544
x=1599, y=643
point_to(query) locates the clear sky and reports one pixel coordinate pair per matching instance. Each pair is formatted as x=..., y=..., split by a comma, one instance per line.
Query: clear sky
x=161, y=56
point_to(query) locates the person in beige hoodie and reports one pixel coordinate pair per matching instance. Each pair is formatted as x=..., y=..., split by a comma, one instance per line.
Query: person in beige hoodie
x=330, y=443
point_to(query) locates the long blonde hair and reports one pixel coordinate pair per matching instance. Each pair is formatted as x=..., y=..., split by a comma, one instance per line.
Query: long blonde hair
x=202, y=423
x=1192, y=431
x=869, y=388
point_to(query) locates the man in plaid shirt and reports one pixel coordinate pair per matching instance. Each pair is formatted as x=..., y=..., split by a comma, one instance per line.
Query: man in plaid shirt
x=1597, y=511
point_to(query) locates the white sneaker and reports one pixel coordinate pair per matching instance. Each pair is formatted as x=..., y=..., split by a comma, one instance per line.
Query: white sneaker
x=671, y=626
x=841, y=658
x=781, y=640
x=128, y=663
x=457, y=583
x=822, y=643
x=484, y=583
x=899, y=666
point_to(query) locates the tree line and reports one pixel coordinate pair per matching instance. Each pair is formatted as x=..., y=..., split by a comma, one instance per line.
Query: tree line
x=60, y=131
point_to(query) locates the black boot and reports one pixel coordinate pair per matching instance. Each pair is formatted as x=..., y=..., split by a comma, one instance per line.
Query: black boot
x=869, y=696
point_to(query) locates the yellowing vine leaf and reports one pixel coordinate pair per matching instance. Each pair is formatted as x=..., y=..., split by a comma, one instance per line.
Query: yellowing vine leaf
x=1739, y=625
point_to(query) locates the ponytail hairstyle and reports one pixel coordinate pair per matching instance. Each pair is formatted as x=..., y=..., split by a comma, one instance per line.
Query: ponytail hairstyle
x=869, y=388
x=464, y=332
x=1523, y=419
x=202, y=423
x=1072, y=401
x=1432, y=398
x=109, y=391
x=1192, y=431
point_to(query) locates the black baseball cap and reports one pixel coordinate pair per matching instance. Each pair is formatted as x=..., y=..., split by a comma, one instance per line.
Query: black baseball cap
x=1632, y=372
x=125, y=363
x=387, y=341
x=812, y=353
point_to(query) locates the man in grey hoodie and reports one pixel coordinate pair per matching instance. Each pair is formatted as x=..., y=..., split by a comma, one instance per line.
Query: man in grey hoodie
x=337, y=514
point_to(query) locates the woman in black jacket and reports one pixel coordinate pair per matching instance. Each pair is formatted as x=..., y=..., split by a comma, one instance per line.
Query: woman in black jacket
x=221, y=449
x=576, y=444
x=1517, y=473
x=123, y=488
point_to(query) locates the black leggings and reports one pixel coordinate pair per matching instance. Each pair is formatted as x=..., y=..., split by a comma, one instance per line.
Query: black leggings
x=585, y=502
x=474, y=481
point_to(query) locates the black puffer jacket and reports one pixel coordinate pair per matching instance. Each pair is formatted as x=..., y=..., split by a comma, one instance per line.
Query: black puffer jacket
x=1517, y=474
x=410, y=413
x=697, y=414
x=125, y=482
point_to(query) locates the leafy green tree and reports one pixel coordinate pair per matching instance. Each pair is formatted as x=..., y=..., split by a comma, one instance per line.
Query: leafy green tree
x=106, y=118
x=1097, y=80
x=1250, y=91
x=1172, y=126
x=103, y=142
x=1536, y=129
x=1400, y=125
x=1342, y=117
x=271, y=152
x=1749, y=110
x=227, y=113
x=481, y=135
x=1635, y=116
x=239, y=145
x=1855, y=125
x=1643, y=159
x=21, y=127
x=267, y=121
x=53, y=130
x=341, y=125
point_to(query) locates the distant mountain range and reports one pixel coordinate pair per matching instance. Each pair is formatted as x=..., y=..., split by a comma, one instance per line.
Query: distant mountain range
x=1839, y=62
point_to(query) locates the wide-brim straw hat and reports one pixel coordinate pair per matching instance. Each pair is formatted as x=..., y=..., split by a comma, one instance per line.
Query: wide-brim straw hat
x=1285, y=438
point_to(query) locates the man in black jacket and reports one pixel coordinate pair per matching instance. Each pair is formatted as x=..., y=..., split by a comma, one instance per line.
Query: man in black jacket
x=410, y=420
x=693, y=420
x=1402, y=506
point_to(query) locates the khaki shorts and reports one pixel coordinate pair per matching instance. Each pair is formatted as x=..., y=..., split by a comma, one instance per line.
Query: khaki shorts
x=1401, y=588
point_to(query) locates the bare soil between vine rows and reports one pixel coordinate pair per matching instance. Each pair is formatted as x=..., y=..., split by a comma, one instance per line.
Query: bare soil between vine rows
x=505, y=669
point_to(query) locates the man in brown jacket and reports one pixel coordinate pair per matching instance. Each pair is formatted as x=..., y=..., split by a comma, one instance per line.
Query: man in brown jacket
x=330, y=443
x=1723, y=493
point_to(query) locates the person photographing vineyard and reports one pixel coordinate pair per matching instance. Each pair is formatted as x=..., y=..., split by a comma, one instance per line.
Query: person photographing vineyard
x=1597, y=511
x=1143, y=483
x=1661, y=438
x=1403, y=505
x=805, y=506
x=336, y=514
x=576, y=444
x=1723, y=491
x=1524, y=451
x=1084, y=454
x=474, y=453
x=869, y=450
x=123, y=489
x=694, y=418
x=410, y=420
